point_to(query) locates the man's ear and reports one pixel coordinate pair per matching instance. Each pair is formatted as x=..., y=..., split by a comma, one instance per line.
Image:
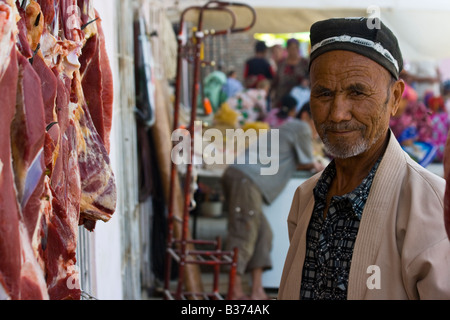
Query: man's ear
x=397, y=91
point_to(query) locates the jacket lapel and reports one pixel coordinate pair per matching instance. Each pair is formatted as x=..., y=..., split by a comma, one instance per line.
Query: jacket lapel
x=290, y=290
x=376, y=211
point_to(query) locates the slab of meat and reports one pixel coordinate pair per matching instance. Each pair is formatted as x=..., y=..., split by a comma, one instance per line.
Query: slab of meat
x=95, y=98
x=49, y=9
x=21, y=275
x=32, y=282
x=97, y=82
x=34, y=21
x=48, y=88
x=22, y=39
x=81, y=143
x=10, y=262
x=27, y=143
x=98, y=198
x=62, y=219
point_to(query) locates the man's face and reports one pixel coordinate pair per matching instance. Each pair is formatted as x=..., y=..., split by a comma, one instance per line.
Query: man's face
x=351, y=102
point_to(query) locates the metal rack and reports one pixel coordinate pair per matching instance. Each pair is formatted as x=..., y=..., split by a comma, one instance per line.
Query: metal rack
x=180, y=249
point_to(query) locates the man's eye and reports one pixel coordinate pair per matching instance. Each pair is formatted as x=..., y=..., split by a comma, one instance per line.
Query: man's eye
x=356, y=93
x=324, y=94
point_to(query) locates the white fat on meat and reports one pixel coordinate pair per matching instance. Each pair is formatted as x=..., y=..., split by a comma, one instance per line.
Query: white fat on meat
x=68, y=270
x=71, y=62
x=31, y=269
x=8, y=28
x=44, y=213
x=49, y=48
x=91, y=29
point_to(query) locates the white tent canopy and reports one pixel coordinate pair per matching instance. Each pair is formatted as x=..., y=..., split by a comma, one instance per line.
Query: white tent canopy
x=420, y=26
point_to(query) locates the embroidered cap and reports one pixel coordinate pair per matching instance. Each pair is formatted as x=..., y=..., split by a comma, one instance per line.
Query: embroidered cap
x=372, y=40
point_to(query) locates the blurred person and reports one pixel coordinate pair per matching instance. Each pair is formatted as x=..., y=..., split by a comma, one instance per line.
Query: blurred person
x=439, y=123
x=277, y=54
x=246, y=189
x=251, y=103
x=232, y=85
x=424, y=75
x=301, y=94
x=412, y=126
x=212, y=89
x=287, y=110
x=292, y=71
x=411, y=113
x=258, y=67
x=318, y=147
x=446, y=95
x=370, y=226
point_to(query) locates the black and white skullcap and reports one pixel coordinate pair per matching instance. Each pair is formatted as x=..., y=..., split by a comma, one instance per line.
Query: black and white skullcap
x=364, y=36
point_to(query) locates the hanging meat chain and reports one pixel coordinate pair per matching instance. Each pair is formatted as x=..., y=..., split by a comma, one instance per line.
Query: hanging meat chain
x=55, y=172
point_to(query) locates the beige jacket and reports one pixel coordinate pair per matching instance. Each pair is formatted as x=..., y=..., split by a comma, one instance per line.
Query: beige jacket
x=401, y=233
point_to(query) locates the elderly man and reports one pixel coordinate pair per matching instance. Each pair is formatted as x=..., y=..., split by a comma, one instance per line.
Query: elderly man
x=370, y=226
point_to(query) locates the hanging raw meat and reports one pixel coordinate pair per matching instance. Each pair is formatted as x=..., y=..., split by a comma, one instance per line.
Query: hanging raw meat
x=55, y=172
x=97, y=78
x=21, y=167
x=96, y=101
x=10, y=262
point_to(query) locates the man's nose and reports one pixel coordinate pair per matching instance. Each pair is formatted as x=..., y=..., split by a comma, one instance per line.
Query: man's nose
x=340, y=109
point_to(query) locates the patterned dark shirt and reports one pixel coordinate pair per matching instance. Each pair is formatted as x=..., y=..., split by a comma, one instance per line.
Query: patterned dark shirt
x=330, y=241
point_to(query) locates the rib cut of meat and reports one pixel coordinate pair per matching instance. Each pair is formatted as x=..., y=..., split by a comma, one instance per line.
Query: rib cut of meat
x=98, y=196
x=98, y=199
x=98, y=183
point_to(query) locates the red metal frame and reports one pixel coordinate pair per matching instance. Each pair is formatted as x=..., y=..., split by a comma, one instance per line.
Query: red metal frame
x=181, y=255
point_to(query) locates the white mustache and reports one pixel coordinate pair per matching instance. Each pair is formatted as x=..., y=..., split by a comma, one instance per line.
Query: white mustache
x=342, y=126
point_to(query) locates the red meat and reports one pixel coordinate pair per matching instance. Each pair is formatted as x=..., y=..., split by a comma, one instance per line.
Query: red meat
x=27, y=142
x=9, y=209
x=66, y=194
x=55, y=172
x=49, y=9
x=48, y=88
x=97, y=83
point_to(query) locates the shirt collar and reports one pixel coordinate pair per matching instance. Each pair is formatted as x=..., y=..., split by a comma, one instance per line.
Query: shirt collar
x=357, y=197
